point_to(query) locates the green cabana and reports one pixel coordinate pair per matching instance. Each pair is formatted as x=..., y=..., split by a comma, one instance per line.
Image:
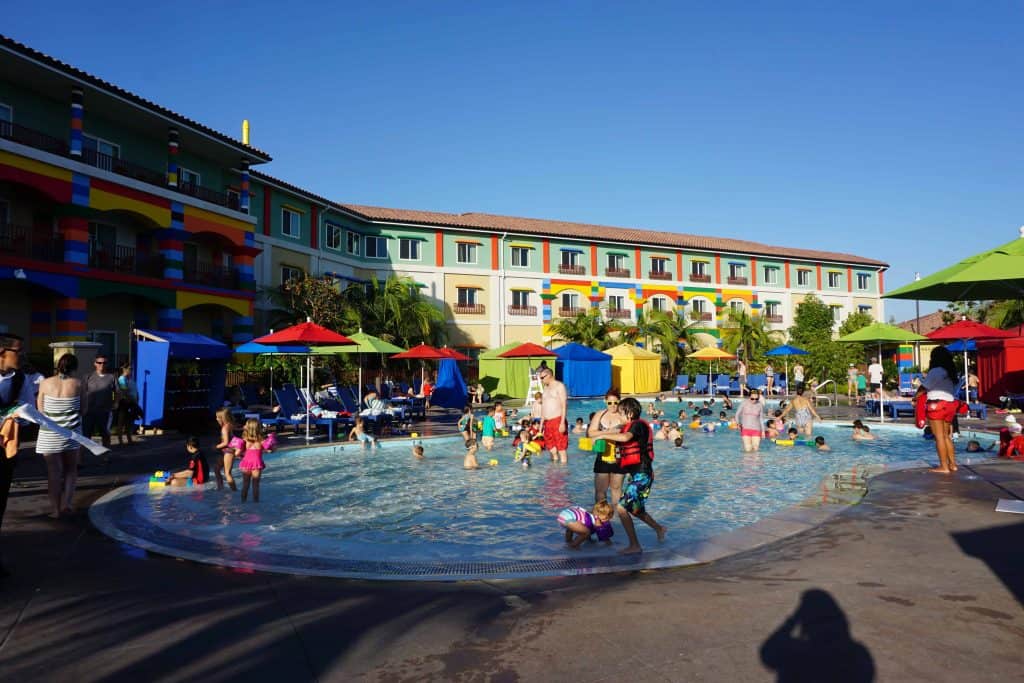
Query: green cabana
x=509, y=377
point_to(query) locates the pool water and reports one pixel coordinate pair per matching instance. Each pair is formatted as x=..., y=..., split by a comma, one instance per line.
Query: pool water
x=343, y=503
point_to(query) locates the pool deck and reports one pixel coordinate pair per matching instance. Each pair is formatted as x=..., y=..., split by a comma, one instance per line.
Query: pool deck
x=928, y=576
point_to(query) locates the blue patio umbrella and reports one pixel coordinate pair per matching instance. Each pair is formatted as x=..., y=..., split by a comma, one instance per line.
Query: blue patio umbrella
x=786, y=350
x=271, y=349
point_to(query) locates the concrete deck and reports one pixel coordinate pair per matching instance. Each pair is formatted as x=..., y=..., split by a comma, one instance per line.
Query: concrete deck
x=928, y=578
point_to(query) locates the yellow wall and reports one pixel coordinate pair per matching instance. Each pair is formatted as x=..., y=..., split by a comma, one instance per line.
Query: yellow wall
x=286, y=257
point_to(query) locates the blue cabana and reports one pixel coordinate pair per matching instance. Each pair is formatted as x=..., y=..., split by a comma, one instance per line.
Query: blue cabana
x=450, y=390
x=180, y=376
x=583, y=370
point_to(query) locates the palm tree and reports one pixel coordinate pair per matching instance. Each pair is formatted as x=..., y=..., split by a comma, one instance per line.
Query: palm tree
x=1006, y=314
x=750, y=333
x=649, y=326
x=588, y=328
x=675, y=329
x=393, y=310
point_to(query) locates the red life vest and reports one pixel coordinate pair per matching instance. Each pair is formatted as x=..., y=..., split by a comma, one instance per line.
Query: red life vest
x=630, y=452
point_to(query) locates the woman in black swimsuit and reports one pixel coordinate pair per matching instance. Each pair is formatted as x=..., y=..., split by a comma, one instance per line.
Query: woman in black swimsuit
x=607, y=474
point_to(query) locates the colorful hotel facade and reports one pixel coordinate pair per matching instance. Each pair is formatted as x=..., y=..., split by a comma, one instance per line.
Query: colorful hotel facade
x=115, y=211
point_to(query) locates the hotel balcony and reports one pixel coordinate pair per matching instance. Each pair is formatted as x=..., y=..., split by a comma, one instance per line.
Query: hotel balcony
x=659, y=275
x=122, y=259
x=703, y=317
x=617, y=272
x=696, y=277
x=570, y=312
x=468, y=309
x=737, y=281
x=773, y=318
x=571, y=270
x=522, y=310
x=22, y=241
x=158, y=177
x=209, y=275
x=619, y=313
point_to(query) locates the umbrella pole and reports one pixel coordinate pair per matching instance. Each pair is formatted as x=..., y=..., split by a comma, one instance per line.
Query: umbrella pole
x=309, y=365
x=967, y=380
x=881, y=390
x=709, y=379
x=787, y=374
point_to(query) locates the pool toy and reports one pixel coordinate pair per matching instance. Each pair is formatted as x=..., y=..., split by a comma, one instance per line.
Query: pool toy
x=534, y=447
x=270, y=443
x=710, y=427
x=415, y=435
x=237, y=443
x=606, y=449
x=492, y=462
x=695, y=424
x=160, y=479
x=502, y=432
x=784, y=442
x=733, y=425
x=586, y=444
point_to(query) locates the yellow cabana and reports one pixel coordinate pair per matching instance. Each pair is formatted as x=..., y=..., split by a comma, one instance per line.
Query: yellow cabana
x=635, y=370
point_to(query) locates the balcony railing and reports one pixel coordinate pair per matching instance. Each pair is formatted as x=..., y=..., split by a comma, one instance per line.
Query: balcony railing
x=48, y=143
x=737, y=280
x=25, y=242
x=773, y=318
x=569, y=312
x=616, y=272
x=469, y=309
x=700, y=277
x=571, y=270
x=121, y=259
x=209, y=275
x=703, y=317
x=522, y=310
x=659, y=275
x=619, y=313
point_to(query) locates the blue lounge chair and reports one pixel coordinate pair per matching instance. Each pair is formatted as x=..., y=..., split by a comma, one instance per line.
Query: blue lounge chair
x=700, y=386
x=722, y=385
x=682, y=383
x=293, y=414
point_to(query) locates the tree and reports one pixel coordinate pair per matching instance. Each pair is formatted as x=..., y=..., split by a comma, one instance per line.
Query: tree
x=971, y=310
x=1006, y=314
x=812, y=331
x=588, y=328
x=313, y=298
x=748, y=334
x=648, y=327
x=675, y=328
x=394, y=310
x=854, y=322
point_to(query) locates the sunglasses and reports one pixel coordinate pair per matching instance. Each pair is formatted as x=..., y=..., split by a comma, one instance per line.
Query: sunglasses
x=611, y=403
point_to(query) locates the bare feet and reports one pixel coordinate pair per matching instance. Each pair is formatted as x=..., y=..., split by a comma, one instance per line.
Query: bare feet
x=939, y=470
x=661, y=530
x=631, y=550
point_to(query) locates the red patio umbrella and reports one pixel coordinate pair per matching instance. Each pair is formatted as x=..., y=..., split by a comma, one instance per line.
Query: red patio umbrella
x=527, y=350
x=421, y=352
x=453, y=354
x=966, y=330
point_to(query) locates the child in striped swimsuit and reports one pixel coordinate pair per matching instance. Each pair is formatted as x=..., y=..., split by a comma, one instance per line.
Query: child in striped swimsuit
x=580, y=524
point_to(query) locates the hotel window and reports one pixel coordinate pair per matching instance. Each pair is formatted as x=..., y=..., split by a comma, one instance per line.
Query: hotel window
x=467, y=296
x=658, y=304
x=332, y=237
x=376, y=247
x=187, y=178
x=837, y=313
x=99, y=152
x=570, y=300
x=864, y=309
x=616, y=262
x=698, y=270
x=862, y=280
x=520, y=257
x=737, y=270
x=520, y=298
x=234, y=198
x=6, y=116
x=803, y=278
x=409, y=249
x=290, y=223
x=352, y=243
x=771, y=275
x=465, y=252
x=737, y=306
x=834, y=279
x=571, y=258
x=772, y=309
x=616, y=302
x=289, y=273
x=697, y=306
x=659, y=266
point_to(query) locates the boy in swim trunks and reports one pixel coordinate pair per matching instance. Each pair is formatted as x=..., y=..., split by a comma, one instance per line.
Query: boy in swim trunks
x=554, y=411
x=487, y=428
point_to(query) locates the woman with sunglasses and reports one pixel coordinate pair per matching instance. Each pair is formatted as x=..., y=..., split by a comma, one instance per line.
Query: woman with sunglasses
x=607, y=474
x=751, y=418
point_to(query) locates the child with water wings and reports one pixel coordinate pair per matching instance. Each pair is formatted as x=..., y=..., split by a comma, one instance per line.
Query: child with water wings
x=198, y=471
x=580, y=524
x=252, y=460
x=487, y=429
x=359, y=433
x=466, y=424
x=228, y=449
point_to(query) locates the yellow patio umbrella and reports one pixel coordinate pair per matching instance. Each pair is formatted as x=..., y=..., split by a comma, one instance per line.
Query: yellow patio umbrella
x=710, y=354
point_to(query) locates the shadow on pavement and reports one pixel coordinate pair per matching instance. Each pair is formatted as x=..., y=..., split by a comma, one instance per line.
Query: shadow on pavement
x=814, y=644
x=1000, y=548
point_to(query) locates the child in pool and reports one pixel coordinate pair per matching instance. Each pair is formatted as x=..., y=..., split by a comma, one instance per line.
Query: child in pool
x=499, y=416
x=820, y=445
x=579, y=427
x=770, y=432
x=198, y=471
x=580, y=524
x=228, y=450
x=674, y=432
x=793, y=433
x=469, y=462
x=252, y=464
x=466, y=424
x=535, y=407
x=679, y=442
x=861, y=432
x=359, y=433
x=975, y=446
x=777, y=421
x=417, y=452
x=487, y=429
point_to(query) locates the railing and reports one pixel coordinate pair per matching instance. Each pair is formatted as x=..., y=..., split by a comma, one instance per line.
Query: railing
x=32, y=138
x=522, y=310
x=209, y=275
x=616, y=272
x=703, y=317
x=659, y=275
x=571, y=270
x=737, y=280
x=123, y=259
x=25, y=242
x=699, y=277
x=469, y=309
x=569, y=312
x=619, y=313
x=773, y=318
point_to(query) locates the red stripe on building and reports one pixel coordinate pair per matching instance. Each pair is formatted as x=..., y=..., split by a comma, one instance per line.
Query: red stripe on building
x=818, y=268
x=494, y=252
x=639, y=271
x=56, y=189
x=787, y=274
x=679, y=266
x=753, y=272
x=593, y=259
x=130, y=193
x=849, y=279
x=546, y=256
x=718, y=269
x=438, y=248
x=881, y=282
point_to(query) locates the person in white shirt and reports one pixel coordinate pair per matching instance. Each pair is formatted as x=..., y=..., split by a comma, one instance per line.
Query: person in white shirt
x=875, y=377
x=941, y=384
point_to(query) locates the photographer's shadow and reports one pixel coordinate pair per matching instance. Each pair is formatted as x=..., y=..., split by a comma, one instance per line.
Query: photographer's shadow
x=814, y=644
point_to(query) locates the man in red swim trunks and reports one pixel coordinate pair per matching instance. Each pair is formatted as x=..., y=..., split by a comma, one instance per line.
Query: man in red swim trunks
x=554, y=405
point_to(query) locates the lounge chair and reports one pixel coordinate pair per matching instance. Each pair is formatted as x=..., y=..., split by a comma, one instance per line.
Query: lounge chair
x=700, y=386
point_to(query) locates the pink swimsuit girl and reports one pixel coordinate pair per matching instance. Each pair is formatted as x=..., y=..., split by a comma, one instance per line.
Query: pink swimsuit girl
x=253, y=459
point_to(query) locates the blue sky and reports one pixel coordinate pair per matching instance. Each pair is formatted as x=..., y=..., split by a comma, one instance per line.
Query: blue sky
x=886, y=129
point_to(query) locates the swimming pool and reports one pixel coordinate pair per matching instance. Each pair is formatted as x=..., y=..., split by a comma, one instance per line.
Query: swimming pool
x=338, y=510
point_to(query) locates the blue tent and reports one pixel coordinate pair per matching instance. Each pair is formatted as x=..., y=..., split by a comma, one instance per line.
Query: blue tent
x=583, y=370
x=450, y=390
x=167, y=384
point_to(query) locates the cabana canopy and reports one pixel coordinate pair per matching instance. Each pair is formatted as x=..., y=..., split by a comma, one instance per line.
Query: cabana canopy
x=153, y=353
x=450, y=390
x=583, y=370
x=635, y=370
x=508, y=377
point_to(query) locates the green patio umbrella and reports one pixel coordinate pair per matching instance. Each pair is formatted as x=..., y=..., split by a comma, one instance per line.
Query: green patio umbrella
x=993, y=274
x=881, y=333
x=364, y=344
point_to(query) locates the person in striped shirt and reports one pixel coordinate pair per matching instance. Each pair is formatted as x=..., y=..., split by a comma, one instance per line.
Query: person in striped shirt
x=60, y=399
